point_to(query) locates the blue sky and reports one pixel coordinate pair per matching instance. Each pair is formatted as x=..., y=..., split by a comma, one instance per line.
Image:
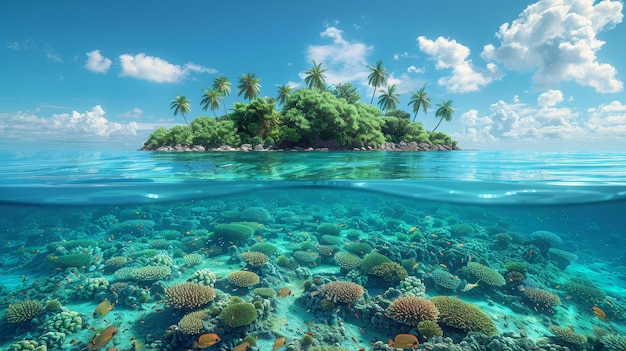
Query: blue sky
x=522, y=75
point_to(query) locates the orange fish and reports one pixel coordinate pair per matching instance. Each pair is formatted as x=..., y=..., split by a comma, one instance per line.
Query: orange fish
x=282, y=292
x=206, y=340
x=599, y=313
x=244, y=346
x=403, y=341
x=279, y=342
x=412, y=229
x=100, y=340
x=103, y=308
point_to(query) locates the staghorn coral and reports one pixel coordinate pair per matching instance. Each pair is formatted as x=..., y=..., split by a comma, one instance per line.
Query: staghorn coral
x=462, y=315
x=342, y=291
x=238, y=314
x=428, y=329
x=189, y=295
x=544, y=300
x=150, y=273
x=445, y=279
x=254, y=259
x=191, y=323
x=411, y=310
x=348, y=260
x=390, y=272
x=486, y=274
x=243, y=279
x=23, y=311
x=568, y=336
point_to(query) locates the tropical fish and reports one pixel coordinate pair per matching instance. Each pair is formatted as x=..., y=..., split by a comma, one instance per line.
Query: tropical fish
x=469, y=286
x=103, y=308
x=206, y=340
x=599, y=313
x=103, y=338
x=282, y=292
x=244, y=346
x=412, y=229
x=279, y=343
x=403, y=341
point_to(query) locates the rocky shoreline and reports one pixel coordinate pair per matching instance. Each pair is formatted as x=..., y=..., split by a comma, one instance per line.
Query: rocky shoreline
x=388, y=146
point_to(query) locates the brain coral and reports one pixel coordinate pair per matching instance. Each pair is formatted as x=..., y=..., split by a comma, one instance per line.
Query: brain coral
x=191, y=323
x=256, y=214
x=23, y=311
x=254, y=259
x=150, y=273
x=238, y=314
x=348, y=260
x=462, y=315
x=342, y=291
x=411, y=310
x=486, y=274
x=189, y=295
x=243, y=279
x=445, y=279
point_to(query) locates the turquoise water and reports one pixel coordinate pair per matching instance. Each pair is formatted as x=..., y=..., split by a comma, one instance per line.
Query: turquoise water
x=542, y=233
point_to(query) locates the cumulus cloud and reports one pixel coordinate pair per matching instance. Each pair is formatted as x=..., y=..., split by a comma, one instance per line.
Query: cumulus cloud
x=345, y=60
x=448, y=54
x=155, y=69
x=76, y=127
x=97, y=63
x=544, y=122
x=557, y=39
x=135, y=113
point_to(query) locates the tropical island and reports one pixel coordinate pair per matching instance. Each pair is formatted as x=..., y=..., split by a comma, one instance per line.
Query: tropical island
x=317, y=117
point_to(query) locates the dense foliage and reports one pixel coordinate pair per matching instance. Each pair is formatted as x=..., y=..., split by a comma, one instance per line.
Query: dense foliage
x=309, y=117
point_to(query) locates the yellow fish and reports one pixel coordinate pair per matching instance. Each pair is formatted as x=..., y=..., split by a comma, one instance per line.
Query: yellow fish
x=282, y=292
x=278, y=343
x=100, y=340
x=469, y=286
x=103, y=308
x=403, y=341
x=206, y=340
x=600, y=313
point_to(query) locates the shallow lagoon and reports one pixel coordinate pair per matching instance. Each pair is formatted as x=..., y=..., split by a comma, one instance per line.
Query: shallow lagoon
x=80, y=227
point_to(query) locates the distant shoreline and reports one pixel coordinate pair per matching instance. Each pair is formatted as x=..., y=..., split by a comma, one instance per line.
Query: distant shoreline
x=387, y=146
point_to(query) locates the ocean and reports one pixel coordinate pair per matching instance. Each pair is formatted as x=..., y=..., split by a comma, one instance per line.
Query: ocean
x=320, y=251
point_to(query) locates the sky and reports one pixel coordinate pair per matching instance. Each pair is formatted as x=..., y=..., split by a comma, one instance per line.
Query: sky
x=522, y=75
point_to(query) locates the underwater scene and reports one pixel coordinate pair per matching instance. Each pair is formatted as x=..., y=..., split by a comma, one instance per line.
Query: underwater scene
x=313, y=251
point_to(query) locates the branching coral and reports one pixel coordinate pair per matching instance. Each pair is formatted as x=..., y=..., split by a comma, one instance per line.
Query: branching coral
x=243, y=279
x=342, y=291
x=411, y=310
x=462, y=315
x=486, y=274
x=189, y=295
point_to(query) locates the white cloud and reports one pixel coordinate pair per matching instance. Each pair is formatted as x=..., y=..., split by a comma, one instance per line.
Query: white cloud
x=550, y=98
x=157, y=70
x=97, y=63
x=50, y=54
x=135, y=113
x=293, y=85
x=557, y=39
x=543, y=123
x=448, y=54
x=345, y=60
x=413, y=69
x=67, y=128
x=25, y=45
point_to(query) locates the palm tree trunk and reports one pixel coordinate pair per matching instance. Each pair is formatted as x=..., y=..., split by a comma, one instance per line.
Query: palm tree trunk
x=371, y=102
x=437, y=126
x=415, y=116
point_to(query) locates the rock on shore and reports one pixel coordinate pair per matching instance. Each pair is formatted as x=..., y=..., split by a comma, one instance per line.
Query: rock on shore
x=388, y=146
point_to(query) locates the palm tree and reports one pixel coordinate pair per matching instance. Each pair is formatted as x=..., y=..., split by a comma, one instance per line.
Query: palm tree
x=283, y=94
x=315, y=78
x=419, y=99
x=378, y=77
x=181, y=104
x=222, y=85
x=211, y=99
x=388, y=99
x=249, y=86
x=444, y=111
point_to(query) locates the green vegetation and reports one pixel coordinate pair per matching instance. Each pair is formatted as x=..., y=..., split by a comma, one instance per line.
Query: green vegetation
x=316, y=116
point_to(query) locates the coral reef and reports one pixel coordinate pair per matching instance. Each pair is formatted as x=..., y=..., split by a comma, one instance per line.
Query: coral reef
x=486, y=274
x=23, y=311
x=462, y=315
x=192, y=323
x=411, y=310
x=342, y=291
x=238, y=314
x=243, y=279
x=189, y=295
